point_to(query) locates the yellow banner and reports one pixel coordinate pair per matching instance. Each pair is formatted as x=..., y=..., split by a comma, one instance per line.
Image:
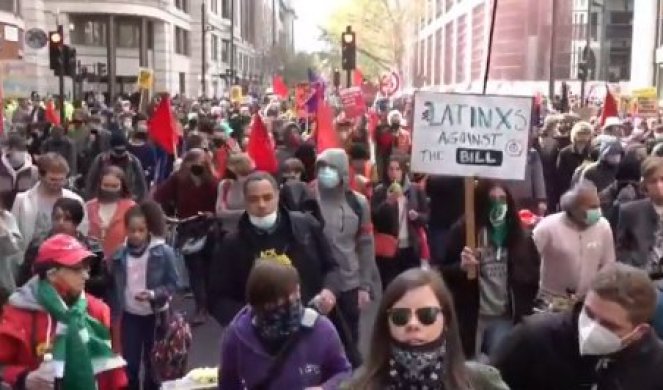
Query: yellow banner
x=645, y=102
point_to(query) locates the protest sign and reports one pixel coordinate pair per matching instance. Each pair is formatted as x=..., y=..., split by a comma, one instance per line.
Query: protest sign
x=645, y=102
x=145, y=78
x=353, y=102
x=471, y=135
x=302, y=93
x=236, y=94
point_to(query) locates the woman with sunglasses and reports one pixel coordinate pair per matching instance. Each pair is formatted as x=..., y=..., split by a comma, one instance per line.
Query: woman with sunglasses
x=494, y=284
x=415, y=342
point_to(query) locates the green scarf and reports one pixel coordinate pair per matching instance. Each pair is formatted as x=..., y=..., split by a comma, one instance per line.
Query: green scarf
x=498, y=229
x=84, y=348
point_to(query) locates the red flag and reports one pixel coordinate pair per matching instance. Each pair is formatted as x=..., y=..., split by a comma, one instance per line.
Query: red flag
x=261, y=147
x=280, y=89
x=163, y=127
x=326, y=136
x=357, y=78
x=373, y=121
x=51, y=114
x=609, y=106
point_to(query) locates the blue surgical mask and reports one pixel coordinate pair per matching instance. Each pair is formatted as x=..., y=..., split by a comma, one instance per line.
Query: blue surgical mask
x=592, y=216
x=328, y=177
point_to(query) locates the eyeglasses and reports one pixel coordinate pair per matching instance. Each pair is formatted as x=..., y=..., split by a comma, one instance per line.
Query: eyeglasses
x=425, y=315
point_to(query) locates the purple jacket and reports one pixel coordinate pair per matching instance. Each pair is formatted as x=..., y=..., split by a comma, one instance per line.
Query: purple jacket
x=318, y=358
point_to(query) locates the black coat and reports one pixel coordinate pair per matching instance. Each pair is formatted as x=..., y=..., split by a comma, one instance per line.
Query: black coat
x=568, y=161
x=385, y=216
x=542, y=353
x=299, y=236
x=636, y=226
x=523, y=281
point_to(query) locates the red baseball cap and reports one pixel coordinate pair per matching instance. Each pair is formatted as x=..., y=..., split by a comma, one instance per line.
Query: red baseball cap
x=64, y=250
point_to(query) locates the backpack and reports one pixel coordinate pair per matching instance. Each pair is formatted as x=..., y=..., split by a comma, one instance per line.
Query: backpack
x=172, y=342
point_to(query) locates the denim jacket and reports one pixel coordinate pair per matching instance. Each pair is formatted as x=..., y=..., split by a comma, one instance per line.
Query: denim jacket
x=161, y=276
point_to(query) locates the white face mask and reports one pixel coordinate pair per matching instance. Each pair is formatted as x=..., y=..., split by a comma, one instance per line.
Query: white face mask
x=595, y=339
x=16, y=158
x=264, y=223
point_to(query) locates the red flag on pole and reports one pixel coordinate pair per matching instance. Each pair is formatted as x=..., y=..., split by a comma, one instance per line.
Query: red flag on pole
x=326, y=136
x=279, y=87
x=609, y=106
x=163, y=127
x=358, y=78
x=261, y=147
x=51, y=114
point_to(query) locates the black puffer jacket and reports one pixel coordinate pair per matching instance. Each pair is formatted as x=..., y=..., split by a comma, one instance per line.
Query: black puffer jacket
x=542, y=353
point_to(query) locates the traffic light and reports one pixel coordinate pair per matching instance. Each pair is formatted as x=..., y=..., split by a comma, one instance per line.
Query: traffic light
x=55, y=45
x=348, y=49
x=69, y=61
x=582, y=71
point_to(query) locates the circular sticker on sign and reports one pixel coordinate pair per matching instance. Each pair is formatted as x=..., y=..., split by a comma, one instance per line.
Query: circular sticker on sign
x=36, y=38
x=390, y=83
x=514, y=148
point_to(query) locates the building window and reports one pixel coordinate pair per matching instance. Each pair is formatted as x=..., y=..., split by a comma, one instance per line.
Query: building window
x=450, y=4
x=182, y=5
x=88, y=30
x=225, y=9
x=11, y=6
x=127, y=34
x=150, y=35
x=225, y=51
x=182, y=83
x=181, y=41
x=215, y=48
x=215, y=6
x=438, y=7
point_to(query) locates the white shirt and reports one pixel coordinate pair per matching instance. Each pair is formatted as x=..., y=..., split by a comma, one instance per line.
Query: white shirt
x=106, y=213
x=403, y=234
x=136, y=283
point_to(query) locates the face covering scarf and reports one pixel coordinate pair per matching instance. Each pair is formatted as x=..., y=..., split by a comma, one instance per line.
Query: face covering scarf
x=497, y=219
x=84, y=349
x=278, y=323
x=417, y=367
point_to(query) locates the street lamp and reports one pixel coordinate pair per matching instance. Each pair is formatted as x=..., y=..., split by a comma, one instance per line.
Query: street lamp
x=348, y=53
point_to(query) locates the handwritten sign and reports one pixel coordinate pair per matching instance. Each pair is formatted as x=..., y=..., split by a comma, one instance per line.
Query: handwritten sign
x=471, y=135
x=645, y=102
x=353, y=102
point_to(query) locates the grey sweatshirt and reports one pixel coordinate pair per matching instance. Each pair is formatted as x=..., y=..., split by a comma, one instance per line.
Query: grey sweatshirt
x=350, y=237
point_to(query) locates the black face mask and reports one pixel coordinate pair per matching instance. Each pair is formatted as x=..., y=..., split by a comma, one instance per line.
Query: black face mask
x=141, y=136
x=395, y=126
x=197, y=170
x=414, y=366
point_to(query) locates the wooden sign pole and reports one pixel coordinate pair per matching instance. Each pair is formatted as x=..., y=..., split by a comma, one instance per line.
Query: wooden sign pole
x=470, y=228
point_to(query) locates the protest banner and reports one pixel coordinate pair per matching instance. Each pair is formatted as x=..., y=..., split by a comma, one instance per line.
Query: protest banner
x=645, y=102
x=302, y=93
x=484, y=136
x=353, y=102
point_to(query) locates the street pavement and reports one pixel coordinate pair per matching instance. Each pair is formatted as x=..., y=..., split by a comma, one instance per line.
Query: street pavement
x=207, y=338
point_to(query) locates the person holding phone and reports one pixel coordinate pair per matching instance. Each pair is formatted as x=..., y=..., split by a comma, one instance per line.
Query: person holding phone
x=140, y=294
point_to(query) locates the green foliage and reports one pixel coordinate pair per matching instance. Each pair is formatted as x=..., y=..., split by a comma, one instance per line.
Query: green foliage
x=382, y=28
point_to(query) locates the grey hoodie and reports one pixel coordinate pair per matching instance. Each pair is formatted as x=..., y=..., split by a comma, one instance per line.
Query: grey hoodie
x=26, y=296
x=350, y=237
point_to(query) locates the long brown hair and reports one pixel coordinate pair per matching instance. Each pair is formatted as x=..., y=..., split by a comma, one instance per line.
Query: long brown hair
x=374, y=371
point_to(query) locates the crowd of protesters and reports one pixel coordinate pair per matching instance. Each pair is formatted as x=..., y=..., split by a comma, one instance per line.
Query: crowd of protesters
x=285, y=243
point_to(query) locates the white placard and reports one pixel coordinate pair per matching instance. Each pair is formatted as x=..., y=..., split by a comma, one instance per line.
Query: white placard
x=471, y=135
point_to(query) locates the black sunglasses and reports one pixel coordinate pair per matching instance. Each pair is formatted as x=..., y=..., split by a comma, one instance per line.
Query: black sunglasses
x=425, y=315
